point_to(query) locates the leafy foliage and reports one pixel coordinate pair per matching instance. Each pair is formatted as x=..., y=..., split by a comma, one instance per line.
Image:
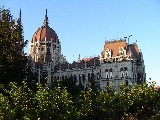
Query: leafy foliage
x=20, y=102
x=70, y=85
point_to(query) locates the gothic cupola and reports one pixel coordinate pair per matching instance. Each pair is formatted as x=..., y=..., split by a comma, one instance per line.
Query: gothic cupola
x=45, y=45
x=45, y=33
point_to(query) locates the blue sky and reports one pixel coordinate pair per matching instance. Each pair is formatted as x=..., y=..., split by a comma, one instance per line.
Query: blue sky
x=83, y=25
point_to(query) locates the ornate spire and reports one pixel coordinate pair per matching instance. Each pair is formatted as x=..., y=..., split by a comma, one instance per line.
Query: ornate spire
x=45, y=23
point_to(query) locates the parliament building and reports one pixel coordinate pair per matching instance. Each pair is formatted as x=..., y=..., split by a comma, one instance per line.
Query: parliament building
x=118, y=62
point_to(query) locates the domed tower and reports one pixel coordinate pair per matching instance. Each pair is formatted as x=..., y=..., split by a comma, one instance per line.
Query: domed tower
x=45, y=45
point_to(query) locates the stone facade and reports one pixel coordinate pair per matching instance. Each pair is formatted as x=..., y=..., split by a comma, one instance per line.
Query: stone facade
x=118, y=62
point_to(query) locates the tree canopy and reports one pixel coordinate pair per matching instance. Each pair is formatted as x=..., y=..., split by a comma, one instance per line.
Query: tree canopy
x=12, y=59
x=141, y=102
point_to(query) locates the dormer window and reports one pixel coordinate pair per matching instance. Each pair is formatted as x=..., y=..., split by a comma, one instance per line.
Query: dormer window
x=108, y=53
x=121, y=51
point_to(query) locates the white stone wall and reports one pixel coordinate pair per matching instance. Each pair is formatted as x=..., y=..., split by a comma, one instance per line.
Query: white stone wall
x=109, y=71
x=116, y=79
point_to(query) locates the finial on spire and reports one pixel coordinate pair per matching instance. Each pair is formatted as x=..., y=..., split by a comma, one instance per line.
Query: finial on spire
x=19, y=17
x=46, y=11
x=45, y=23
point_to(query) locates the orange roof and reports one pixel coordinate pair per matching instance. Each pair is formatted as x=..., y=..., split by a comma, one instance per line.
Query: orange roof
x=45, y=32
x=115, y=45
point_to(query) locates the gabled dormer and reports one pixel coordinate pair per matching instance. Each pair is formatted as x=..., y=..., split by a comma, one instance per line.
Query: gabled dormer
x=108, y=53
x=122, y=51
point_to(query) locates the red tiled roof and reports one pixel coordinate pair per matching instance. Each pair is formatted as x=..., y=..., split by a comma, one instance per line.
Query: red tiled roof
x=73, y=65
x=81, y=63
x=64, y=66
x=115, y=45
x=43, y=32
x=135, y=51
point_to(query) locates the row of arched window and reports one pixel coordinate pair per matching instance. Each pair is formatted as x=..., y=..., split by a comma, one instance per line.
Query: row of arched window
x=123, y=72
x=81, y=77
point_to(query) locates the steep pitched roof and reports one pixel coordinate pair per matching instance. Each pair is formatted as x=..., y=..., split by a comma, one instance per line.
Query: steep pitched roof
x=115, y=45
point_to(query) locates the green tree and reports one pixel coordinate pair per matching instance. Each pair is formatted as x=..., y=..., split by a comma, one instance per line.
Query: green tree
x=12, y=60
x=70, y=85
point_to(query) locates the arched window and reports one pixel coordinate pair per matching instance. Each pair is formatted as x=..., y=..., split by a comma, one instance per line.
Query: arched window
x=126, y=71
x=88, y=77
x=80, y=82
x=121, y=69
x=98, y=77
x=52, y=78
x=71, y=77
x=92, y=76
x=63, y=77
x=126, y=82
x=83, y=78
x=66, y=77
x=122, y=72
x=107, y=74
x=111, y=73
x=75, y=78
